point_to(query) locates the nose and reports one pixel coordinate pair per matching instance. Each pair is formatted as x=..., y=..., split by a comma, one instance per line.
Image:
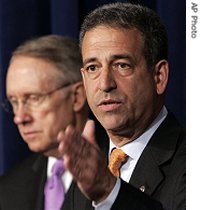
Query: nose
x=21, y=115
x=107, y=80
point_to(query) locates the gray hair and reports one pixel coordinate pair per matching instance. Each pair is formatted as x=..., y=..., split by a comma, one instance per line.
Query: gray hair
x=62, y=51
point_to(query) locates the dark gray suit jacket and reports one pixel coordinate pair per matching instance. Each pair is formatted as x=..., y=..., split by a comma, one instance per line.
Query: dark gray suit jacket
x=161, y=169
x=160, y=172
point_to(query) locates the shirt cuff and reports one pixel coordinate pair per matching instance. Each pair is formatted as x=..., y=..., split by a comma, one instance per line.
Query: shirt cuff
x=108, y=202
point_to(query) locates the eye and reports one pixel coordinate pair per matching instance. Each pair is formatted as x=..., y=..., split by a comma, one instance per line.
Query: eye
x=13, y=102
x=91, y=68
x=123, y=68
x=34, y=99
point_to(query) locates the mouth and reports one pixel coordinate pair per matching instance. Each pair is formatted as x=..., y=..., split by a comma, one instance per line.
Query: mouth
x=109, y=105
x=30, y=134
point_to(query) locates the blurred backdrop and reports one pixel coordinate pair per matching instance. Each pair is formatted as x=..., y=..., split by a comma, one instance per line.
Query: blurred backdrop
x=22, y=19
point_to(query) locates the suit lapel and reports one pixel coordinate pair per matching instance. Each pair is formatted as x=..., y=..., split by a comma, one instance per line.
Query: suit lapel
x=148, y=174
x=75, y=200
x=28, y=183
x=38, y=179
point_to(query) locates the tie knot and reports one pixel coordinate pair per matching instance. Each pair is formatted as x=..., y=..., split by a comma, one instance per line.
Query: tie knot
x=117, y=159
x=58, y=168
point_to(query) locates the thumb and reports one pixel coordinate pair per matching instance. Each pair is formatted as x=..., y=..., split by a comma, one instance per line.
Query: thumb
x=89, y=131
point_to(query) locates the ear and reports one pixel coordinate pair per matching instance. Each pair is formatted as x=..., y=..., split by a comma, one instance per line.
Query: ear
x=79, y=96
x=161, y=74
x=83, y=75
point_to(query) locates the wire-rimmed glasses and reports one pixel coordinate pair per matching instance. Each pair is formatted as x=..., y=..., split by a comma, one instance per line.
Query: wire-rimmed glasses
x=31, y=101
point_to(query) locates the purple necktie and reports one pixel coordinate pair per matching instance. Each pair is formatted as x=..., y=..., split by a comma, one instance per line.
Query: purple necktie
x=54, y=189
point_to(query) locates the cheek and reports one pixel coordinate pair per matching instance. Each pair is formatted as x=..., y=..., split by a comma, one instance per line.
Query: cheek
x=56, y=121
x=90, y=90
x=50, y=126
x=140, y=94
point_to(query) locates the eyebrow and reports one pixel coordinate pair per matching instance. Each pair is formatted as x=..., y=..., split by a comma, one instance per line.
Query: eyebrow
x=88, y=60
x=113, y=57
x=121, y=56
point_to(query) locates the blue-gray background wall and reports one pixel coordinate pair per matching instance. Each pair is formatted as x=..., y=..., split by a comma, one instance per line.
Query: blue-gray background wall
x=22, y=19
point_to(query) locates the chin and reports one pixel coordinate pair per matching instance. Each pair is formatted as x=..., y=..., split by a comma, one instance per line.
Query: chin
x=36, y=148
x=109, y=126
x=110, y=122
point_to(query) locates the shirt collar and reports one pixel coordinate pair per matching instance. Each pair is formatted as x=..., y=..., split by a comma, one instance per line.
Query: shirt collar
x=51, y=161
x=140, y=143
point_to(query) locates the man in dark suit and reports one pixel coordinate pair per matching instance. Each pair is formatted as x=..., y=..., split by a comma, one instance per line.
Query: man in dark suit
x=125, y=73
x=45, y=93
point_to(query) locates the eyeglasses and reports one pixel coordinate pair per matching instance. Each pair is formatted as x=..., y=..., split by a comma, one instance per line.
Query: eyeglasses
x=32, y=101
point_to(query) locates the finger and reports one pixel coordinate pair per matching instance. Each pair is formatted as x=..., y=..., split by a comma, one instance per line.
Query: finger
x=65, y=139
x=89, y=131
x=60, y=136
